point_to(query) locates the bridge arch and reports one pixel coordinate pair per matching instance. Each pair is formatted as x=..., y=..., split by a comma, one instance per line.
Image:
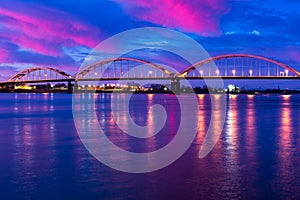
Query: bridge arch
x=232, y=56
x=92, y=67
x=39, y=73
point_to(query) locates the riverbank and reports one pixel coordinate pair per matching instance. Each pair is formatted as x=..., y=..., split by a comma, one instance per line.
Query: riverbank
x=266, y=91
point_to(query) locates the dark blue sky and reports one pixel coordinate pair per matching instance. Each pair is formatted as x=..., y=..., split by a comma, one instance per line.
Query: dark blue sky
x=60, y=33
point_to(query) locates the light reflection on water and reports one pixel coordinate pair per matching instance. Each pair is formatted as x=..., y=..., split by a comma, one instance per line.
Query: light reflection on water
x=257, y=155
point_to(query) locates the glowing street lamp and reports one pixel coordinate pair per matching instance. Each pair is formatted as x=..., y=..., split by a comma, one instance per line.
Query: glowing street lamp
x=217, y=72
x=233, y=72
x=250, y=72
x=286, y=72
x=150, y=73
x=201, y=72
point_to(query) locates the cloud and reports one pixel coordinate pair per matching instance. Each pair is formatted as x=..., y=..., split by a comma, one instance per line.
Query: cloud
x=231, y=32
x=254, y=32
x=195, y=16
x=7, y=71
x=4, y=55
x=43, y=30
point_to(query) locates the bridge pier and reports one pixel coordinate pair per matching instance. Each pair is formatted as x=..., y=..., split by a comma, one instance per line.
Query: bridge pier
x=75, y=90
x=175, y=86
x=11, y=86
x=2, y=86
x=70, y=87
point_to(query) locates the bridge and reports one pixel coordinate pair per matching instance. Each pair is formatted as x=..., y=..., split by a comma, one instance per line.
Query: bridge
x=229, y=66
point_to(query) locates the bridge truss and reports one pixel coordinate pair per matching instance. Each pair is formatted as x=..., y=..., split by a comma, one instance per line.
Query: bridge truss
x=115, y=68
x=39, y=74
x=239, y=65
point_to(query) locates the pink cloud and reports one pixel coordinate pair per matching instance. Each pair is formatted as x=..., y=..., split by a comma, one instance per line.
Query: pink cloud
x=196, y=16
x=4, y=55
x=45, y=30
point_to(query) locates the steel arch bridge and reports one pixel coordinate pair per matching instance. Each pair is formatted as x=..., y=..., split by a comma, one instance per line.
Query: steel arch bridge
x=239, y=66
x=39, y=74
x=229, y=66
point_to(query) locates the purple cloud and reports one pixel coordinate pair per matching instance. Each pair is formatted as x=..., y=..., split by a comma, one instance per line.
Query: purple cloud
x=196, y=16
x=45, y=31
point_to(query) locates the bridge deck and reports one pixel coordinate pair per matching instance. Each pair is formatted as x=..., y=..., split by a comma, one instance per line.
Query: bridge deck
x=162, y=78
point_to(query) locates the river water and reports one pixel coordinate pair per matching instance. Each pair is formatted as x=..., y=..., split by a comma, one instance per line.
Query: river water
x=257, y=155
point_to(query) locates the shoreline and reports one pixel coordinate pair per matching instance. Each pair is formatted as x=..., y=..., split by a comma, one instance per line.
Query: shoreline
x=249, y=92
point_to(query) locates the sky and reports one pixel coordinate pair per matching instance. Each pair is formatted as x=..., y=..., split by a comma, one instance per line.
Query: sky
x=61, y=34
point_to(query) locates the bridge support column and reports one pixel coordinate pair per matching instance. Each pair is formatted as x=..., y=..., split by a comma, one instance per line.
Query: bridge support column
x=75, y=90
x=2, y=86
x=11, y=87
x=175, y=86
x=70, y=87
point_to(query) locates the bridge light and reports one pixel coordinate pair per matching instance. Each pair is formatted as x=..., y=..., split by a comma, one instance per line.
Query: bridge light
x=250, y=72
x=233, y=72
x=95, y=73
x=201, y=72
x=286, y=72
x=217, y=72
x=150, y=72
